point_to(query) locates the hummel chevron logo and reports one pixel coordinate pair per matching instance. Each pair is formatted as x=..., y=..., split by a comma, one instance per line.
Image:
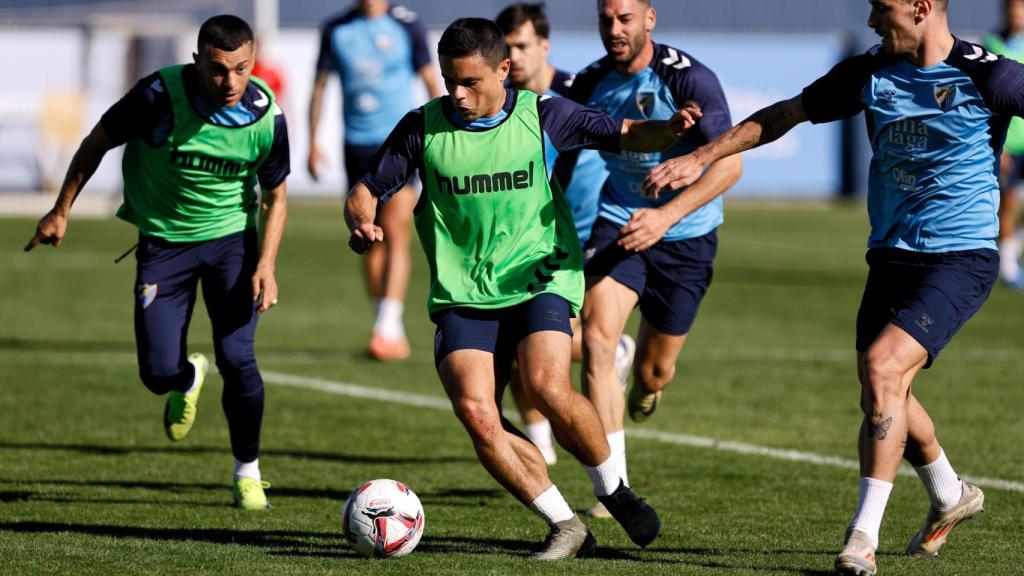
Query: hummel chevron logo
x=676, y=60
x=546, y=271
x=979, y=52
x=263, y=101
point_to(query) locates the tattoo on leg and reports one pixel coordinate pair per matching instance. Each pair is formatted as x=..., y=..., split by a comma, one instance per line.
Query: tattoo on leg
x=880, y=429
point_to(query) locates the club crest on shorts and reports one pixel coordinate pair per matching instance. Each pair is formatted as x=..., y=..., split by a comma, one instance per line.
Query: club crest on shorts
x=945, y=94
x=645, y=103
x=146, y=294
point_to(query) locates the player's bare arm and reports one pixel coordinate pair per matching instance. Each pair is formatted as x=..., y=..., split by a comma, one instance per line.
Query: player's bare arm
x=360, y=210
x=648, y=226
x=53, y=224
x=316, y=157
x=764, y=126
x=273, y=213
x=656, y=135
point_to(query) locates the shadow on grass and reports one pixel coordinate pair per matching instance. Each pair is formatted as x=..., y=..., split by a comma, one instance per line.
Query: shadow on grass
x=331, y=545
x=320, y=456
x=179, y=487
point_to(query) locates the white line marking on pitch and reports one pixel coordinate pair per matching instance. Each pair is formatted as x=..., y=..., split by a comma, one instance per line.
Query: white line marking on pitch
x=439, y=403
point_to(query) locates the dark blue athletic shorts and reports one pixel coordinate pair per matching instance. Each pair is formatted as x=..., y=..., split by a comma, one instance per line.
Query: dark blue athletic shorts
x=670, y=278
x=1016, y=173
x=930, y=296
x=499, y=331
x=358, y=162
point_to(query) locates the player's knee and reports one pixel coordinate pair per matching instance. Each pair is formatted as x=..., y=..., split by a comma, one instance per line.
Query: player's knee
x=882, y=377
x=655, y=373
x=161, y=378
x=236, y=359
x=599, y=343
x=479, y=416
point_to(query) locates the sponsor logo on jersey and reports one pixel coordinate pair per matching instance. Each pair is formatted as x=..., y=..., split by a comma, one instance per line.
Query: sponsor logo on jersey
x=204, y=163
x=945, y=94
x=910, y=135
x=482, y=183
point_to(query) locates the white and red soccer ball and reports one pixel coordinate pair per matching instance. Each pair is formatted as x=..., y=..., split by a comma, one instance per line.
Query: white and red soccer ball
x=383, y=519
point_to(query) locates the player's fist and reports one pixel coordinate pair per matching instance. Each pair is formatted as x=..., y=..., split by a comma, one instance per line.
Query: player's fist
x=684, y=118
x=50, y=230
x=363, y=236
x=673, y=174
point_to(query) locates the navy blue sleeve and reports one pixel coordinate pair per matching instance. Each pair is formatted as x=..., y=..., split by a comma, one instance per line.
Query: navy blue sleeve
x=689, y=80
x=277, y=165
x=570, y=126
x=561, y=84
x=586, y=81
x=417, y=35
x=837, y=95
x=139, y=112
x=398, y=158
x=999, y=80
x=325, y=60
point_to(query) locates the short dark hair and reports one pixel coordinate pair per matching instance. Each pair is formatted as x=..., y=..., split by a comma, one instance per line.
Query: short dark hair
x=468, y=36
x=225, y=32
x=515, y=15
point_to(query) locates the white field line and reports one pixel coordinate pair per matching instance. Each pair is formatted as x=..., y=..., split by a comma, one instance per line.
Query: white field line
x=439, y=403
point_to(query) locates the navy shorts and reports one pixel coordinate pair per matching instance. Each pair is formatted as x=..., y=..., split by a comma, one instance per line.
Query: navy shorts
x=499, y=331
x=930, y=296
x=358, y=162
x=1016, y=173
x=671, y=278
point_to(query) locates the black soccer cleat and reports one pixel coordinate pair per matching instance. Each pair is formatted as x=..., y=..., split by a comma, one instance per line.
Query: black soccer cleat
x=635, y=515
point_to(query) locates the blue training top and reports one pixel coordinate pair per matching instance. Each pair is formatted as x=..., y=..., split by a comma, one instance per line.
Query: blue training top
x=582, y=186
x=937, y=134
x=377, y=61
x=656, y=92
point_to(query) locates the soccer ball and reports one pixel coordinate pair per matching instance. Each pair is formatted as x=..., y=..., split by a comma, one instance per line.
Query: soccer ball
x=383, y=519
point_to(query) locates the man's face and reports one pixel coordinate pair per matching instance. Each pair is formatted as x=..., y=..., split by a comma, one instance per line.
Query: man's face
x=527, y=52
x=474, y=86
x=896, y=22
x=625, y=27
x=1015, y=15
x=223, y=75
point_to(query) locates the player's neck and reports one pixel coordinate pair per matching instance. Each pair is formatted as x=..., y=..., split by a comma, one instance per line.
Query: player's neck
x=934, y=48
x=541, y=82
x=499, y=104
x=642, y=60
x=374, y=11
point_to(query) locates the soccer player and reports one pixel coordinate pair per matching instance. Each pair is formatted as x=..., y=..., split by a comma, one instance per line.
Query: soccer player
x=1009, y=42
x=377, y=50
x=505, y=265
x=655, y=253
x=526, y=31
x=198, y=138
x=937, y=110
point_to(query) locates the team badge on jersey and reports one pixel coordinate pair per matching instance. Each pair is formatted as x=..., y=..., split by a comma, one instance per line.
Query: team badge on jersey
x=147, y=294
x=645, y=102
x=945, y=94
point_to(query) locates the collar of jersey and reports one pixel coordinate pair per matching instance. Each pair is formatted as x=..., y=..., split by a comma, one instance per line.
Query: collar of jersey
x=242, y=114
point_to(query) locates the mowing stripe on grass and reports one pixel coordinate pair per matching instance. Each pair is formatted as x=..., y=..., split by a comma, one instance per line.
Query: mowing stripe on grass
x=436, y=402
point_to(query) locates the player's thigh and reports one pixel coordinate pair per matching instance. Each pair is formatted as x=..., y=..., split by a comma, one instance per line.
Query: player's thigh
x=395, y=216
x=228, y=266
x=461, y=329
x=166, y=281
x=544, y=343
x=468, y=378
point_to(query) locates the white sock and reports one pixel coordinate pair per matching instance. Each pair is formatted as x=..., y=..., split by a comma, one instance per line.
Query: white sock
x=389, y=319
x=617, y=443
x=1009, y=267
x=195, y=379
x=540, y=433
x=247, y=469
x=874, y=495
x=941, y=482
x=605, y=476
x=551, y=506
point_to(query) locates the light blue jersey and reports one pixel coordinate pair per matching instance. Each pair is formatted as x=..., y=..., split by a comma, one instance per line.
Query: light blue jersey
x=376, y=60
x=656, y=92
x=936, y=133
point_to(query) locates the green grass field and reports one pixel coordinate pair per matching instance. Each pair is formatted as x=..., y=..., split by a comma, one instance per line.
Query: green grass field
x=89, y=484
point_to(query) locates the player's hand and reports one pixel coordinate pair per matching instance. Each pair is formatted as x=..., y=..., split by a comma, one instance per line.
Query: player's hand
x=316, y=158
x=672, y=174
x=264, y=289
x=364, y=236
x=645, y=229
x=50, y=230
x=685, y=118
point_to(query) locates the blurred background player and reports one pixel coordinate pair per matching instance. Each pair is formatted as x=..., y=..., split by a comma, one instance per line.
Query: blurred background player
x=936, y=105
x=377, y=50
x=198, y=137
x=1009, y=42
x=506, y=267
x=653, y=252
x=526, y=31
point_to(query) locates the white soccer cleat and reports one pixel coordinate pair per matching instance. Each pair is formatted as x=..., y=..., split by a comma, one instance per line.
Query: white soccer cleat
x=857, y=557
x=938, y=525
